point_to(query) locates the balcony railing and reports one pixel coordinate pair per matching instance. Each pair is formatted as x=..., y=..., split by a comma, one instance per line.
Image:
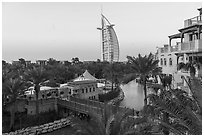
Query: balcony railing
x=192, y=21
x=195, y=45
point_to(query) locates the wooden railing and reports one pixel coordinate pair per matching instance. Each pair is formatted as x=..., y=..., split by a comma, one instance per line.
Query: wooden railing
x=89, y=106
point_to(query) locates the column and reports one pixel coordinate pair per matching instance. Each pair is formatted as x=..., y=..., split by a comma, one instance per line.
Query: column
x=184, y=56
x=182, y=35
x=198, y=30
x=170, y=42
x=177, y=61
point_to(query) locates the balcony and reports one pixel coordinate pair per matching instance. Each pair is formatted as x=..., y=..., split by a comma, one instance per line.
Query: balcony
x=193, y=21
x=193, y=46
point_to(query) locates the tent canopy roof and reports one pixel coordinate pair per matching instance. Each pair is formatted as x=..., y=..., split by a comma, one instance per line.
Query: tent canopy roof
x=85, y=76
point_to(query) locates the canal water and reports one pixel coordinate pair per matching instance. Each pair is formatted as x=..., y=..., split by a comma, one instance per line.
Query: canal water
x=134, y=96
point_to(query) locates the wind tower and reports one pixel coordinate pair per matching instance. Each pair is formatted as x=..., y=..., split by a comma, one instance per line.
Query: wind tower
x=110, y=45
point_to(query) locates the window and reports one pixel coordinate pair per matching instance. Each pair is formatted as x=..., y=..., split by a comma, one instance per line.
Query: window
x=86, y=90
x=170, y=62
x=82, y=90
x=165, y=61
x=161, y=62
x=93, y=88
x=90, y=89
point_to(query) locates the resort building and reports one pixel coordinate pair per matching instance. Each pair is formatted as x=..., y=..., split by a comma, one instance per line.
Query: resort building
x=84, y=87
x=41, y=62
x=188, y=50
x=110, y=45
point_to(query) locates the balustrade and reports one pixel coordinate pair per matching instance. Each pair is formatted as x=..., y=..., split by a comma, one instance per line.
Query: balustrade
x=90, y=106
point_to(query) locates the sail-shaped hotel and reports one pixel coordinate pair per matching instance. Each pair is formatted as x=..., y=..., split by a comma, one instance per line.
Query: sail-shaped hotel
x=110, y=45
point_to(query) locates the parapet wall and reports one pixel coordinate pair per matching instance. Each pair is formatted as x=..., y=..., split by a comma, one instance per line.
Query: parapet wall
x=45, y=128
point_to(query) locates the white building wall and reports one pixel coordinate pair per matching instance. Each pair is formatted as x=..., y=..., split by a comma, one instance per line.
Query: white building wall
x=167, y=68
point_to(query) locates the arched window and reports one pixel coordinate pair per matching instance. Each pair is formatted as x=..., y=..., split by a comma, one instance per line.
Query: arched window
x=165, y=61
x=170, y=61
x=161, y=61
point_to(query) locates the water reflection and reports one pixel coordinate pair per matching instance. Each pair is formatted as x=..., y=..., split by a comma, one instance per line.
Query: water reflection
x=134, y=96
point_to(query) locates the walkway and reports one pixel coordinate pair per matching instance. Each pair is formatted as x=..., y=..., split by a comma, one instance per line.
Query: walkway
x=89, y=106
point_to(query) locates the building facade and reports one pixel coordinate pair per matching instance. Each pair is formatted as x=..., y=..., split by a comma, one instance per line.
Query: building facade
x=188, y=50
x=84, y=87
x=41, y=62
x=110, y=45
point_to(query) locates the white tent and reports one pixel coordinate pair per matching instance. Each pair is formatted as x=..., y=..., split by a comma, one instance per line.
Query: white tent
x=31, y=90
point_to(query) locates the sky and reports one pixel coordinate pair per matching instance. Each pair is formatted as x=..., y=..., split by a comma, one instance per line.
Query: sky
x=63, y=30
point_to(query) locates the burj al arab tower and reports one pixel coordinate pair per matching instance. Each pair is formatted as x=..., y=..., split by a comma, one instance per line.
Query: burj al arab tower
x=110, y=45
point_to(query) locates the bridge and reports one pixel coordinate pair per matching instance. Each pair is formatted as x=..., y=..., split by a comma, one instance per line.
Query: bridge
x=90, y=106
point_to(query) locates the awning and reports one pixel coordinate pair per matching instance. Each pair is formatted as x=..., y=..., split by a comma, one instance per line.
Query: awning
x=174, y=36
x=190, y=28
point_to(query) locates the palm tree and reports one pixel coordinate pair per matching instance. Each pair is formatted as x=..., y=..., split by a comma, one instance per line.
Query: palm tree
x=190, y=66
x=184, y=110
x=114, y=123
x=36, y=76
x=107, y=124
x=113, y=72
x=12, y=87
x=142, y=67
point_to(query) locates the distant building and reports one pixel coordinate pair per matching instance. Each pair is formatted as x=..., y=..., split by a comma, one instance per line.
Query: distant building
x=27, y=62
x=110, y=45
x=65, y=62
x=41, y=62
x=189, y=49
x=15, y=62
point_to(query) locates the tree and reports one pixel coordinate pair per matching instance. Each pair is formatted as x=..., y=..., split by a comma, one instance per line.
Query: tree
x=114, y=122
x=107, y=124
x=12, y=88
x=190, y=66
x=142, y=67
x=113, y=72
x=4, y=62
x=166, y=80
x=22, y=62
x=52, y=62
x=75, y=60
x=36, y=76
x=184, y=110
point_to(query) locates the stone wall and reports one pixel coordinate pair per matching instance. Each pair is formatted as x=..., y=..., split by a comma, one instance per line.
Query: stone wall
x=45, y=128
x=45, y=105
x=117, y=99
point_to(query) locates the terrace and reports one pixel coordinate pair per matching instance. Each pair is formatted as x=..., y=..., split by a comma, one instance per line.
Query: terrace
x=193, y=21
